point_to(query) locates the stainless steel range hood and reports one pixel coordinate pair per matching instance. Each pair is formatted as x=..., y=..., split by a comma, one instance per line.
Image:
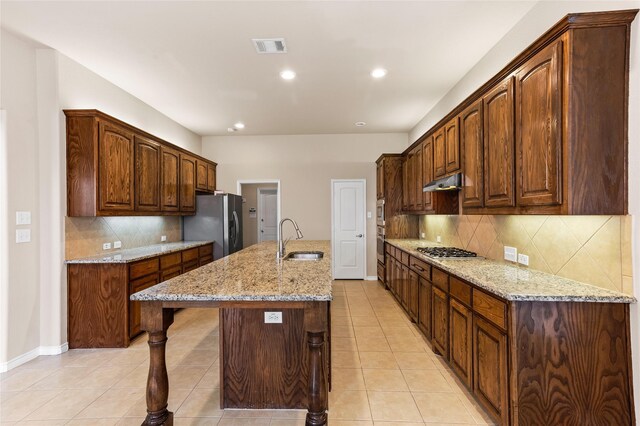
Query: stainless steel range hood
x=449, y=183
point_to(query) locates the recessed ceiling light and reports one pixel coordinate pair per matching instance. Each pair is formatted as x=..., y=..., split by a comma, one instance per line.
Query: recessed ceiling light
x=378, y=73
x=287, y=75
x=239, y=125
x=360, y=123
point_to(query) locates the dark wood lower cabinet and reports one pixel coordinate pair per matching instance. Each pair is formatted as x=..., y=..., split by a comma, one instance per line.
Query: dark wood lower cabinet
x=460, y=334
x=490, y=372
x=100, y=312
x=527, y=363
x=440, y=322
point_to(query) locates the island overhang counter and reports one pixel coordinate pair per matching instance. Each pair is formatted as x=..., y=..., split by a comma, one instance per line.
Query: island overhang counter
x=267, y=361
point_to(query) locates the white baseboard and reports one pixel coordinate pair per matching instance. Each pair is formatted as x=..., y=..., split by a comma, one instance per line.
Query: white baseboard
x=372, y=278
x=32, y=354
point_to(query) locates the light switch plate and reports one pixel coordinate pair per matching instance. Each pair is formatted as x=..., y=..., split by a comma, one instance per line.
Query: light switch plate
x=23, y=218
x=163, y=238
x=369, y=215
x=438, y=239
x=23, y=235
x=510, y=254
x=422, y=235
x=117, y=244
x=106, y=246
x=273, y=317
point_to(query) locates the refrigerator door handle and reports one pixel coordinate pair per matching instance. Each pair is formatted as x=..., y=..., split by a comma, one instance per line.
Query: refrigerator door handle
x=236, y=228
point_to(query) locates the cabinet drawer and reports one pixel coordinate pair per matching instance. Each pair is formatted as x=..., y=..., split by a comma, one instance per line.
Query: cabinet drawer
x=167, y=274
x=422, y=268
x=189, y=266
x=491, y=308
x=142, y=268
x=460, y=290
x=440, y=279
x=205, y=250
x=190, y=255
x=405, y=258
x=143, y=283
x=206, y=259
x=388, y=248
x=170, y=260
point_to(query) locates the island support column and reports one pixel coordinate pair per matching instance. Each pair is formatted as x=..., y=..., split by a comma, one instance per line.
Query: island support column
x=156, y=321
x=317, y=414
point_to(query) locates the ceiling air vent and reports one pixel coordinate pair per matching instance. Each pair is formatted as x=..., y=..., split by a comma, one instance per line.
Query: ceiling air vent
x=269, y=45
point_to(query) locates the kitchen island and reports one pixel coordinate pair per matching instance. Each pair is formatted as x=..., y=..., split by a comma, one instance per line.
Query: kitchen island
x=274, y=329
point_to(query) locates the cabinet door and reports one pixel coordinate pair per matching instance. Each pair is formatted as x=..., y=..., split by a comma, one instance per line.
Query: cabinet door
x=440, y=321
x=404, y=291
x=388, y=270
x=417, y=178
x=398, y=281
x=499, y=146
x=115, y=153
x=187, y=183
x=452, y=146
x=412, y=295
x=147, y=183
x=411, y=182
x=538, y=134
x=405, y=183
x=201, y=175
x=134, y=307
x=472, y=145
x=170, y=180
x=211, y=177
x=424, y=306
x=490, y=368
x=427, y=172
x=460, y=340
x=379, y=181
x=439, y=156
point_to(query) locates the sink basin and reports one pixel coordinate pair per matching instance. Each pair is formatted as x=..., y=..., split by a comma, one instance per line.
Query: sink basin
x=304, y=255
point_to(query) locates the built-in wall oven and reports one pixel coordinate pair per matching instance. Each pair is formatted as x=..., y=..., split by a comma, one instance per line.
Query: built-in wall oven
x=380, y=244
x=380, y=212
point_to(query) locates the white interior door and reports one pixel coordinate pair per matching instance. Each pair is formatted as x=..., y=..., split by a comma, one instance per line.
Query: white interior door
x=267, y=215
x=348, y=234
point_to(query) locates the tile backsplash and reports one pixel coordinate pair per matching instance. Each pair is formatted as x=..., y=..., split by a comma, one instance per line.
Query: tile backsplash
x=84, y=236
x=591, y=249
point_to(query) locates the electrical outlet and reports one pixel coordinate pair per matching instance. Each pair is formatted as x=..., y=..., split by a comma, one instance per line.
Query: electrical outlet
x=23, y=235
x=369, y=215
x=23, y=218
x=510, y=253
x=163, y=238
x=273, y=317
x=106, y=246
x=438, y=239
x=422, y=235
x=523, y=259
x=117, y=244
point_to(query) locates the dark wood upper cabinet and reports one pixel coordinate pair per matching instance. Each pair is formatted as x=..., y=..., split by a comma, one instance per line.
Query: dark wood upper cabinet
x=115, y=169
x=187, y=183
x=405, y=183
x=201, y=175
x=418, y=178
x=148, y=180
x=427, y=172
x=472, y=146
x=170, y=169
x=499, y=146
x=411, y=181
x=115, y=173
x=211, y=177
x=439, y=156
x=452, y=146
x=538, y=134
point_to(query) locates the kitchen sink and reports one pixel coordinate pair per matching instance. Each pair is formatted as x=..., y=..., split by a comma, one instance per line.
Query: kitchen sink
x=304, y=255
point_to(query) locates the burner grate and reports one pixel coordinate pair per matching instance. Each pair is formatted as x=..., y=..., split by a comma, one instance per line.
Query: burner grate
x=446, y=252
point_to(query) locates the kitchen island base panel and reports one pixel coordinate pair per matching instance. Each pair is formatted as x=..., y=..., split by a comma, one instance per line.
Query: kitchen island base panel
x=263, y=365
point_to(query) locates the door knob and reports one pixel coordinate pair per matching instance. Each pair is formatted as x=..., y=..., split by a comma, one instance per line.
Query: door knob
x=359, y=236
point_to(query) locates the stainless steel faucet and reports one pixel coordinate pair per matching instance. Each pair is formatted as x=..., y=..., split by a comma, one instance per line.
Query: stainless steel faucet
x=281, y=242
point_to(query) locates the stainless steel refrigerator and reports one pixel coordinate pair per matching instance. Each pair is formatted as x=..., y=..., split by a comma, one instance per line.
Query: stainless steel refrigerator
x=218, y=218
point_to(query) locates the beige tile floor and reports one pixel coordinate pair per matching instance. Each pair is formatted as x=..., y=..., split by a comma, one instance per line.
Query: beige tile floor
x=384, y=373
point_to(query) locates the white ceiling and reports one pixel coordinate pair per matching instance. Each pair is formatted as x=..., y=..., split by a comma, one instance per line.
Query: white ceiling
x=194, y=61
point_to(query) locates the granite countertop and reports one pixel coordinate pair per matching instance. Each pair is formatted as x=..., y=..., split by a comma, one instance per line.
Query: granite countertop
x=512, y=282
x=252, y=274
x=139, y=253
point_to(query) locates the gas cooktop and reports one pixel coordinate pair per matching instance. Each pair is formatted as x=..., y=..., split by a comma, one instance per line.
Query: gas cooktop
x=446, y=252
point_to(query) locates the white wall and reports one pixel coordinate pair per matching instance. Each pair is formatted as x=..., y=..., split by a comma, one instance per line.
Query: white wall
x=37, y=84
x=541, y=17
x=305, y=165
